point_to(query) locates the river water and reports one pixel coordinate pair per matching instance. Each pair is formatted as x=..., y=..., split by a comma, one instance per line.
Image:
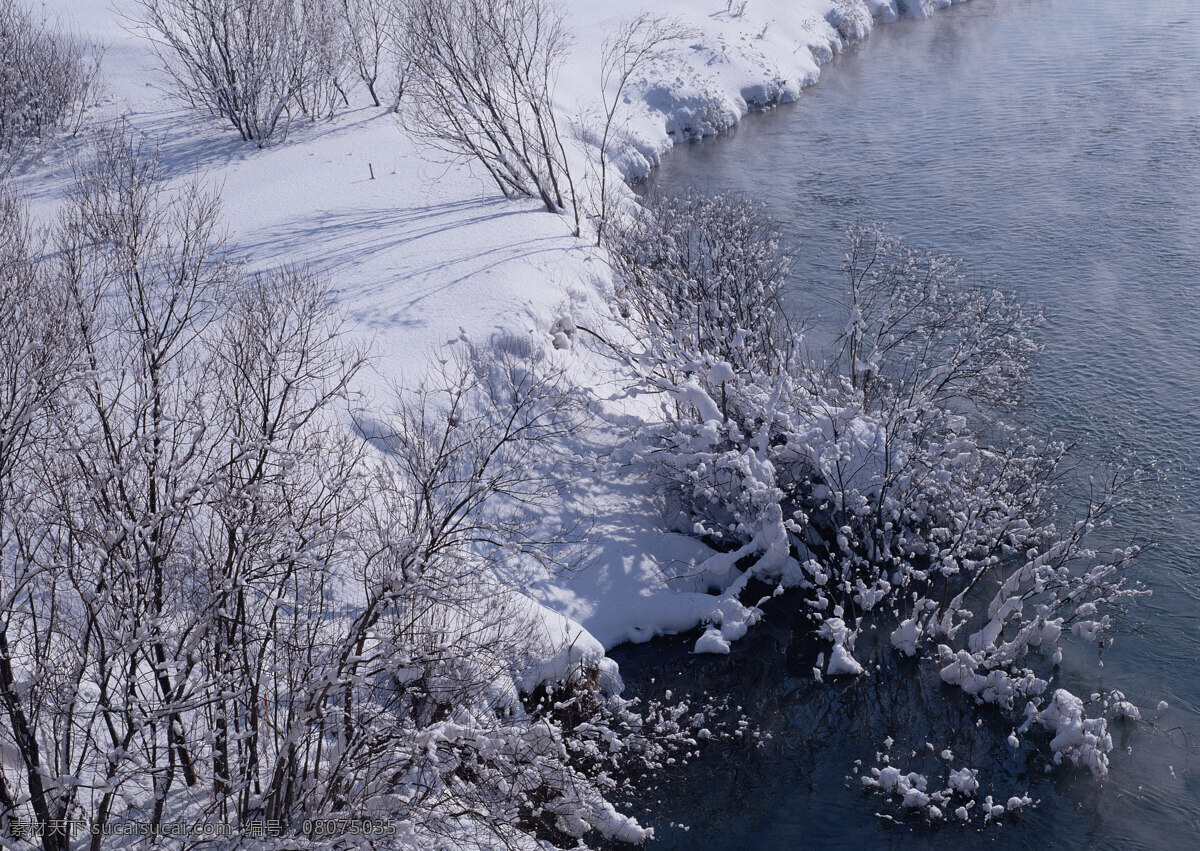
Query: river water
x=1054, y=146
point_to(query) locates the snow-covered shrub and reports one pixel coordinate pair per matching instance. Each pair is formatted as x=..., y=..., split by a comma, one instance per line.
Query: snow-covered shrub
x=699, y=274
x=252, y=63
x=45, y=82
x=480, y=85
x=852, y=19
x=887, y=486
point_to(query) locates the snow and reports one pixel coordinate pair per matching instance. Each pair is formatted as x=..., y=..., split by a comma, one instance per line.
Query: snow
x=964, y=780
x=906, y=636
x=712, y=642
x=841, y=661
x=1127, y=711
x=424, y=256
x=1084, y=741
x=561, y=648
x=913, y=791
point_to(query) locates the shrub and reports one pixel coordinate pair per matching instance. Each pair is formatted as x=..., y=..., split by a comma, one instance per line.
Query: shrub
x=481, y=85
x=45, y=81
x=374, y=40
x=703, y=275
x=252, y=63
x=889, y=488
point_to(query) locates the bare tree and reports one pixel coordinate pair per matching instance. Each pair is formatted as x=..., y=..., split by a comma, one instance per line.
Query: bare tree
x=321, y=59
x=38, y=360
x=462, y=465
x=481, y=77
x=374, y=40
x=906, y=305
x=249, y=62
x=146, y=272
x=281, y=495
x=636, y=46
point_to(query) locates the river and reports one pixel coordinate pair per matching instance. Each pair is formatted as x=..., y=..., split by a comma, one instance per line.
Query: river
x=1054, y=146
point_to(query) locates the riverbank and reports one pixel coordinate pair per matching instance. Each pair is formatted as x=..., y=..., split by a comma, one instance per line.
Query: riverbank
x=425, y=258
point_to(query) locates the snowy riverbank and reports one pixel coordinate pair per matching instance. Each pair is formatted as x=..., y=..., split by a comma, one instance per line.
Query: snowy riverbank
x=424, y=255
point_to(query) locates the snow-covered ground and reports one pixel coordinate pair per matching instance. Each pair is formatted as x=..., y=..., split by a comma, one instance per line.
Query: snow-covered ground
x=425, y=255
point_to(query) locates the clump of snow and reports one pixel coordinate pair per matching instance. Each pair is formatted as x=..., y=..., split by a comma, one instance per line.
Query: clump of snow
x=913, y=792
x=1082, y=740
x=1016, y=803
x=905, y=637
x=964, y=781
x=841, y=661
x=1126, y=711
x=729, y=620
x=711, y=642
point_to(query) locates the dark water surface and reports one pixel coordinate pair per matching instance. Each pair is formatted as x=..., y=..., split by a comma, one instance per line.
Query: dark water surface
x=1054, y=145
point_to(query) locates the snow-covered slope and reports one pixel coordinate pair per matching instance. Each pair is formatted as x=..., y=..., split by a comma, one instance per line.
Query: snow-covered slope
x=424, y=254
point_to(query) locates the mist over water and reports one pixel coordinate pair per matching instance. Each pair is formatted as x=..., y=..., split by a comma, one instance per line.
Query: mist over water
x=1054, y=146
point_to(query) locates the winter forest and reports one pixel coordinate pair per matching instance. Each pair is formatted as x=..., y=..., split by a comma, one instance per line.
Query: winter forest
x=361, y=388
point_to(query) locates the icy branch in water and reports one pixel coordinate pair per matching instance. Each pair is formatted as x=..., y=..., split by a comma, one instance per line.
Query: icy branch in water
x=886, y=486
x=957, y=800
